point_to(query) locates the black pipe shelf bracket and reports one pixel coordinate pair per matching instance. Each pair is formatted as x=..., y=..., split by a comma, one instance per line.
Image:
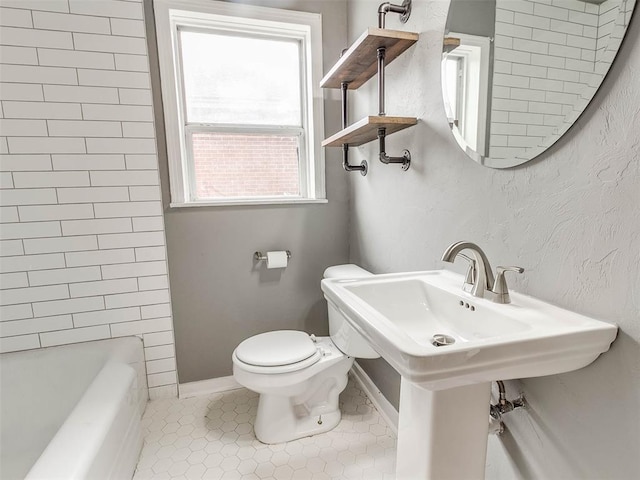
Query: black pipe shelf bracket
x=368, y=56
x=363, y=168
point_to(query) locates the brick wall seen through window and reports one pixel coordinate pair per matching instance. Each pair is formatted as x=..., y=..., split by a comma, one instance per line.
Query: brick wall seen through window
x=237, y=165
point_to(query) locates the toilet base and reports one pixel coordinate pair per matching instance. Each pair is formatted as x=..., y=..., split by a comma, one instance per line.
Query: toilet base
x=299, y=403
x=277, y=422
x=314, y=410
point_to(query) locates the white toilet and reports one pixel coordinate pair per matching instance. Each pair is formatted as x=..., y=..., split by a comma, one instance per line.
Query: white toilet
x=299, y=376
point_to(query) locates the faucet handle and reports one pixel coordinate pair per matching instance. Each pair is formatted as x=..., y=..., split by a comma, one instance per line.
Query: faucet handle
x=470, y=277
x=501, y=270
x=500, y=288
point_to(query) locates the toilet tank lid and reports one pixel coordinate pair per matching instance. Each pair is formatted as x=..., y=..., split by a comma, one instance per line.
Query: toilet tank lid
x=349, y=270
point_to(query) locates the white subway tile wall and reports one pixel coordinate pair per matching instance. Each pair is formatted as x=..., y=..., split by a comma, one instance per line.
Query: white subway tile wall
x=550, y=56
x=82, y=241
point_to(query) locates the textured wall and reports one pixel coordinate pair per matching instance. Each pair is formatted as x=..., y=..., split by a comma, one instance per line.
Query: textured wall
x=220, y=295
x=570, y=217
x=83, y=246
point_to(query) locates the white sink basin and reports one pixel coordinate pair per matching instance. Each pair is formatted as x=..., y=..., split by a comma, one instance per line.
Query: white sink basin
x=399, y=314
x=445, y=390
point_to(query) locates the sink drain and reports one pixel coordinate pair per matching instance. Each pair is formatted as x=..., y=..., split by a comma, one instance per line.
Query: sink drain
x=440, y=340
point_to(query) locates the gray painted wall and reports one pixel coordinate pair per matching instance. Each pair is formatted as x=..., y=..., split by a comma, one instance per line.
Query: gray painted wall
x=475, y=17
x=571, y=218
x=220, y=296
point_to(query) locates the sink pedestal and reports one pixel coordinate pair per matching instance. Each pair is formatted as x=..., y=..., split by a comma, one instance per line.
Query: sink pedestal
x=442, y=434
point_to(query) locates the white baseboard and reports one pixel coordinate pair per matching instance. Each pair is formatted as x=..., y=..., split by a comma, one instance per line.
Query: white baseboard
x=205, y=387
x=384, y=407
x=165, y=391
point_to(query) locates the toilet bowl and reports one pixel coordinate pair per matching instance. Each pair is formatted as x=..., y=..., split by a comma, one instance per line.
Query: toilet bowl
x=299, y=376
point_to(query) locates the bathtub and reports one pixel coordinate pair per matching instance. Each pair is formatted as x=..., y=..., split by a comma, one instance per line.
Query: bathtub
x=72, y=412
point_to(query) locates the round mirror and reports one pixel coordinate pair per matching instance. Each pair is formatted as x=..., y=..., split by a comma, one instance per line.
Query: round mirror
x=516, y=74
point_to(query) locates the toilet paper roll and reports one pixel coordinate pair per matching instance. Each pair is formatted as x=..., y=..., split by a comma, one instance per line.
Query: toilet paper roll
x=277, y=259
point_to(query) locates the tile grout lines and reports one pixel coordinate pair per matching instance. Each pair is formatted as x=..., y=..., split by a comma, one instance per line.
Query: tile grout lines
x=211, y=437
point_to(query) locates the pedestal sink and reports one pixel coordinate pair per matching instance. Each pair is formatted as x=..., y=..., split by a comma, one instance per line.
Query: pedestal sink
x=448, y=347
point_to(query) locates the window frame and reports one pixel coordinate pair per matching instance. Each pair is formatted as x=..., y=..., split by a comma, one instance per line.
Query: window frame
x=474, y=52
x=173, y=15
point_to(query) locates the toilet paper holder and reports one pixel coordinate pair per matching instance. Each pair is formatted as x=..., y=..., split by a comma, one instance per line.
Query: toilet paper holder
x=260, y=257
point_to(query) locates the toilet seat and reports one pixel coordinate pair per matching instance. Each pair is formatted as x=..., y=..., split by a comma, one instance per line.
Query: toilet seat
x=280, y=351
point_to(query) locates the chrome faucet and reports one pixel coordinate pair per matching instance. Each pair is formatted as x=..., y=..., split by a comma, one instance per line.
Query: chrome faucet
x=483, y=277
x=479, y=280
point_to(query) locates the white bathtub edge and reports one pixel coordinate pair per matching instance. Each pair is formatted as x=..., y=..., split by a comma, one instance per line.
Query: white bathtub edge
x=80, y=444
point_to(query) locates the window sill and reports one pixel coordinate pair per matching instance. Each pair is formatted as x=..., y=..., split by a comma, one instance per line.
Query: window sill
x=249, y=202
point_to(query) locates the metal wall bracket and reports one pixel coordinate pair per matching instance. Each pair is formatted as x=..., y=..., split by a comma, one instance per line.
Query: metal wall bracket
x=363, y=168
x=405, y=159
x=404, y=10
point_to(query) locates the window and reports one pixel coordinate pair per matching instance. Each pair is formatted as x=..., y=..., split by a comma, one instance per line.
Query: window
x=465, y=78
x=242, y=103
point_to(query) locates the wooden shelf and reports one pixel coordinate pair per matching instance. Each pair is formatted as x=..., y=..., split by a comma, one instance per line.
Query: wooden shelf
x=450, y=44
x=360, y=62
x=366, y=130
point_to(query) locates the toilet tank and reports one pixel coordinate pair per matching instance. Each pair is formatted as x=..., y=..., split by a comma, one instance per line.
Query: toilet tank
x=343, y=335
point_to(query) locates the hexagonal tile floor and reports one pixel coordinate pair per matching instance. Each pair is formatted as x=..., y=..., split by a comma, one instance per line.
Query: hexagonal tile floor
x=211, y=437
